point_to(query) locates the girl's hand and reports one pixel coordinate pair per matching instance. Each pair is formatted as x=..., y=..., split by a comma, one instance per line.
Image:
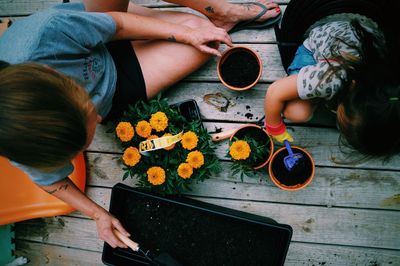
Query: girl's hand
x=205, y=39
x=105, y=223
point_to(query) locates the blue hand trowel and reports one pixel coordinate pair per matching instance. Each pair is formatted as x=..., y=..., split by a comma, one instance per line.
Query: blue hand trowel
x=292, y=159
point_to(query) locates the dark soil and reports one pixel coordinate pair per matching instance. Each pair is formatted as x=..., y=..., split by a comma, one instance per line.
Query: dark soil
x=258, y=135
x=298, y=175
x=240, y=69
x=194, y=236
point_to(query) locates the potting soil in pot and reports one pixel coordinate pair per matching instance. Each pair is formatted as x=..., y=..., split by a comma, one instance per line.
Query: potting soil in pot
x=298, y=175
x=240, y=69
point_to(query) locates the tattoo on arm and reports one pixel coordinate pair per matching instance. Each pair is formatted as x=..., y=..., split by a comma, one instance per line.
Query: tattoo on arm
x=209, y=9
x=171, y=38
x=62, y=187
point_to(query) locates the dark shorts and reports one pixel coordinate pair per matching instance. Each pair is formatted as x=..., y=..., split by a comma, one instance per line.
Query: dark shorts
x=130, y=82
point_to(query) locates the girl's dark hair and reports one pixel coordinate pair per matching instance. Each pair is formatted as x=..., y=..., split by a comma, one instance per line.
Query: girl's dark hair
x=43, y=116
x=370, y=97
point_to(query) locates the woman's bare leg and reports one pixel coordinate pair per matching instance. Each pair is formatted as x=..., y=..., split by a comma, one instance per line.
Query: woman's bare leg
x=164, y=63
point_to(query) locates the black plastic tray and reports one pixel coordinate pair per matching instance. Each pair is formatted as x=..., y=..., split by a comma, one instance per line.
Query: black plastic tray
x=194, y=232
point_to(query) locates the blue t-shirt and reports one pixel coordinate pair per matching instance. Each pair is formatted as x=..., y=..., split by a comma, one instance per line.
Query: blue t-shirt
x=72, y=41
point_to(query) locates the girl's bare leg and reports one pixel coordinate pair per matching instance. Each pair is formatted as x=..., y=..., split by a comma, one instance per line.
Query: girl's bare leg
x=299, y=111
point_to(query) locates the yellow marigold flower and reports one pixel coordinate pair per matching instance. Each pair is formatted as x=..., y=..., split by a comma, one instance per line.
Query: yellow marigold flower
x=171, y=146
x=143, y=129
x=159, y=121
x=240, y=150
x=189, y=140
x=125, y=131
x=185, y=170
x=156, y=175
x=131, y=156
x=195, y=159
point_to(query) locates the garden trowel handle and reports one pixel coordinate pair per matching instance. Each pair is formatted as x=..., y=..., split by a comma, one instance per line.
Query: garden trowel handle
x=223, y=135
x=127, y=241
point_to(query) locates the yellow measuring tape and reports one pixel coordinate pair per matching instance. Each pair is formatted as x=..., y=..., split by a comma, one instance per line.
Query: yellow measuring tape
x=158, y=143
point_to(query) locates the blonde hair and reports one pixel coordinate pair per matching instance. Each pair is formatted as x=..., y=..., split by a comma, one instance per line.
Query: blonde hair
x=43, y=116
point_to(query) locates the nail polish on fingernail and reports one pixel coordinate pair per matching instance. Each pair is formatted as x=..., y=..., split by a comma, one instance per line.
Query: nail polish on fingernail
x=277, y=10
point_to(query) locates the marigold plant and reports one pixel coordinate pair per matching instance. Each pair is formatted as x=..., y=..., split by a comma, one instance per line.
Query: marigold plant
x=240, y=150
x=156, y=175
x=195, y=159
x=247, y=150
x=131, y=156
x=159, y=121
x=189, y=140
x=167, y=170
x=185, y=170
x=124, y=131
x=143, y=129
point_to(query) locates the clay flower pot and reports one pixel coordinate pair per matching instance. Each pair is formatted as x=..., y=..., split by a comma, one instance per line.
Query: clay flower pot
x=299, y=177
x=258, y=132
x=239, y=68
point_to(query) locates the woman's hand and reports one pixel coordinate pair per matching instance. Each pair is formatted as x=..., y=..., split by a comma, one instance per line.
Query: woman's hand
x=105, y=223
x=206, y=39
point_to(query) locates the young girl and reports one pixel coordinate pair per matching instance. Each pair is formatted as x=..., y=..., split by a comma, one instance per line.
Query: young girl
x=65, y=69
x=343, y=61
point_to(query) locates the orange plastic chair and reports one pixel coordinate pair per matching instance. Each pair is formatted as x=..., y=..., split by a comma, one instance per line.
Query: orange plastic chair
x=21, y=199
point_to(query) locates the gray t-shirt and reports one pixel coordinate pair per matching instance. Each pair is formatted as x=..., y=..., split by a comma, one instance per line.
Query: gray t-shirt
x=71, y=41
x=339, y=35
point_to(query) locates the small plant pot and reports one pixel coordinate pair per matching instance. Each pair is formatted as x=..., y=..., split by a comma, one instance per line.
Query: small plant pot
x=261, y=134
x=299, y=177
x=239, y=68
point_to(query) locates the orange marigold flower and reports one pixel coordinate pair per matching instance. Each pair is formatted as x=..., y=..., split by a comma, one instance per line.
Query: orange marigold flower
x=131, y=156
x=195, y=159
x=171, y=146
x=156, y=175
x=240, y=150
x=189, y=140
x=159, y=121
x=185, y=170
x=124, y=131
x=143, y=129
x=152, y=137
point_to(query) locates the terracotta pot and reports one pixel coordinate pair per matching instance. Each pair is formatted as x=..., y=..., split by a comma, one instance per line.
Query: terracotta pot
x=282, y=178
x=271, y=143
x=229, y=52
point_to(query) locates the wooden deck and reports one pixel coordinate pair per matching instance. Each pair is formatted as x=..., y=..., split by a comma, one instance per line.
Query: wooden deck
x=349, y=214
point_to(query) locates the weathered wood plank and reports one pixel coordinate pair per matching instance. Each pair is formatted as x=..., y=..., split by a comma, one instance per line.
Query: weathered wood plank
x=245, y=106
x=340, y=226
x=315, y=254
x=322, y=143
x=330, y=187
x=42, y=254
x=26, y=7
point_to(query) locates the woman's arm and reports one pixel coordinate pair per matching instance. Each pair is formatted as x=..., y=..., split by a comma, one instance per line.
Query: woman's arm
x=134, y=27
x=66, y=191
